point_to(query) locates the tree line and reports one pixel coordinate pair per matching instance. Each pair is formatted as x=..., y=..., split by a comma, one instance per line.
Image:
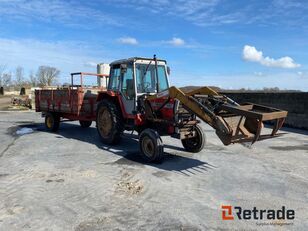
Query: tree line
x=44, y=76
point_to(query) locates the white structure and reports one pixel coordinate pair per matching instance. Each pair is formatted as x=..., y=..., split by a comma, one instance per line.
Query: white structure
x=102, y=68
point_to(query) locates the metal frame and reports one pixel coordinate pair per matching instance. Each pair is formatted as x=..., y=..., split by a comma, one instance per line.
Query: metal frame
x=82, y=74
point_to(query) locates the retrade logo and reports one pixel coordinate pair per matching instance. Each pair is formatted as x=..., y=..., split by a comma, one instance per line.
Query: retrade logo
x=231, y=212
x=227, y=212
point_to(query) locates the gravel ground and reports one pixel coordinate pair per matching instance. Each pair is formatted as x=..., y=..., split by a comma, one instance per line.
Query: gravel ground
x=70, y=181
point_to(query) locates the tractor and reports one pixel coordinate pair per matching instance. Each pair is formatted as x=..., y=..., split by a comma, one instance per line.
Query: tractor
x=138, y=97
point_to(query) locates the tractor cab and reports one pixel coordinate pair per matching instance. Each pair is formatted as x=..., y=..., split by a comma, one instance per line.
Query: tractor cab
x=135, y=77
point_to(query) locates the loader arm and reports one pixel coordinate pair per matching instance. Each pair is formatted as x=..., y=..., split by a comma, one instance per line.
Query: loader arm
x=200, y=110
x=232, y=122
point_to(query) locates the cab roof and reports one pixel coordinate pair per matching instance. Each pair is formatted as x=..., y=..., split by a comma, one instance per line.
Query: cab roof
x=133, y=59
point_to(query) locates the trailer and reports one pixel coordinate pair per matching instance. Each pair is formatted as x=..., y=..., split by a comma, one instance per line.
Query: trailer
x=73, y=102
x=139, y=98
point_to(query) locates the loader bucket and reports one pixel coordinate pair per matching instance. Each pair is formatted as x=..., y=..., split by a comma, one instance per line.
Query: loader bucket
x=245, y=122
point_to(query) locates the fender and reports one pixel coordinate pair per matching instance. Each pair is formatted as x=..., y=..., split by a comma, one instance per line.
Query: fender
x=116, y=98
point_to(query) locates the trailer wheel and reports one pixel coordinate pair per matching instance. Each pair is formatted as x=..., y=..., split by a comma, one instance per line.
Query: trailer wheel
x=195, y=144
x=85, y=123
x=151, y=146
x=109, y=122
x=52, y=122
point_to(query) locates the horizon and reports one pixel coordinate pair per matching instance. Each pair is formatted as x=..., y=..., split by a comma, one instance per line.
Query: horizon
x=231, y=45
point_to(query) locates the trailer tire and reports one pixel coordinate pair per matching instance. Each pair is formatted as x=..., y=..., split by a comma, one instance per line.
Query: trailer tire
x=109, y=122
x=85, y=123
x=195, y=144
x=151, y=146
x=52, y=121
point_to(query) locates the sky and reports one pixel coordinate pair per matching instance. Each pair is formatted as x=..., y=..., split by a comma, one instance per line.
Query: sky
x=230, y=44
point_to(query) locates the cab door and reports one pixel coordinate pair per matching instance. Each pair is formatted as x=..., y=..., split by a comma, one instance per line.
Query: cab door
x=127, y=88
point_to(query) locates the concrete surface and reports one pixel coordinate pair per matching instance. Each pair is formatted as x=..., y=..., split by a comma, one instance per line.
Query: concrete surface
x=70, y=181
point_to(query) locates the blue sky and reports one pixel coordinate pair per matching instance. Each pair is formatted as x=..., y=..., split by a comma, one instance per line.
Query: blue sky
x=230, y=44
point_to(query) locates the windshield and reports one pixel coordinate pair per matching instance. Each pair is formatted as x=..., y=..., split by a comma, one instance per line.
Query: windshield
x=146, y=78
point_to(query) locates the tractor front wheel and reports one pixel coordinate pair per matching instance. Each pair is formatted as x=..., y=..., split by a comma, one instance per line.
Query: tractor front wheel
x=195, y=144
x=52, y=121
x=109, y=122
x=85, y=123
x=151, y=146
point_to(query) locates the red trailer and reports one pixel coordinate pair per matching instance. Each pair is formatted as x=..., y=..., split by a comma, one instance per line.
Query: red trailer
x=74, y=102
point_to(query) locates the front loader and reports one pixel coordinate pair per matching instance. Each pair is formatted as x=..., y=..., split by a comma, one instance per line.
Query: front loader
x=139, y=99
x=232, y=122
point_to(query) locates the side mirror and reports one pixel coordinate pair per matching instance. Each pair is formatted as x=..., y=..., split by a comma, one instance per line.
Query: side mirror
x=123, y=68
x=168, y=70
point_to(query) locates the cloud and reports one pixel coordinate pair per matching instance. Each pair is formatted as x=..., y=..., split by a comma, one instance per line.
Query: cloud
x=258, y=73
x=176, y=42
x=251, y=54
x=300, y=73
x=198, y=12
x=220, y=12
x=128, y=40
x=303, y=74
x=64, y=12
x=90, y=64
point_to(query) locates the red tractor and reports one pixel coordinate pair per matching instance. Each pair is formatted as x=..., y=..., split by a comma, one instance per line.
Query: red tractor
x=138, y=98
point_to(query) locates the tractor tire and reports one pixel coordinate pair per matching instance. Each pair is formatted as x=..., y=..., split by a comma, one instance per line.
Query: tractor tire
x=109, y=122
x=151, y=146
x=85, y=123
x=52, y=122
x=195, y=144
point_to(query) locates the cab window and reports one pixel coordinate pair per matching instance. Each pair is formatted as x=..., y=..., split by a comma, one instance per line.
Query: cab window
x=162, y=78
x=114, y=80
x=127, y=87
x=146, y=78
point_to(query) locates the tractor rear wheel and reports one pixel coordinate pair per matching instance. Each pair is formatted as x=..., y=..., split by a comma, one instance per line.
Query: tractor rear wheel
x=151, y=146
x=195, y=144
x=85, y=123
x=52, y=121
x=109, y=122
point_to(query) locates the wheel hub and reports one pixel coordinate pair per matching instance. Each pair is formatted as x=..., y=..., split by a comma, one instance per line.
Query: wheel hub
x=49, y=122
x=148, y=147
x=105, y=124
